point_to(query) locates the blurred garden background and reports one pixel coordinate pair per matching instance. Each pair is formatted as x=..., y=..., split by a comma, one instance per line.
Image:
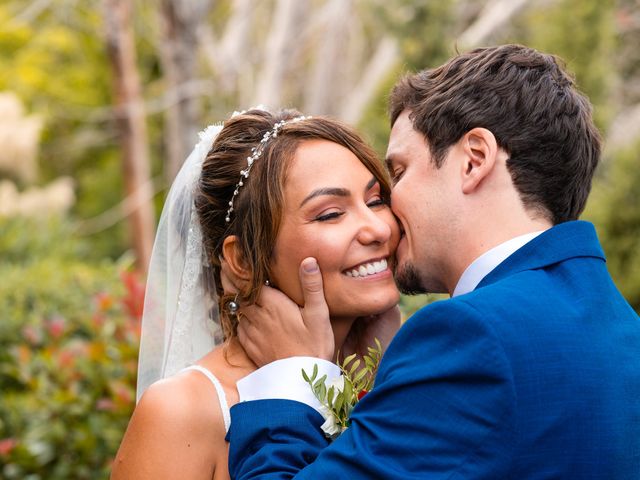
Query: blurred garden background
x=100, y=102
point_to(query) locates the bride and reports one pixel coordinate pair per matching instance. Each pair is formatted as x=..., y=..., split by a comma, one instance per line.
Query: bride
x=262, y=193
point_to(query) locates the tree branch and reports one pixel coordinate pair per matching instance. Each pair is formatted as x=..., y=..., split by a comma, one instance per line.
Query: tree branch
x=384, y=59
x=32, y=11
x=279, y=46
x=493, y=17
x=321, y=93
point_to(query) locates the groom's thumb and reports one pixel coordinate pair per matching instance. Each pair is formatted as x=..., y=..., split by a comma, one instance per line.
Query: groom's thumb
x=315, y=307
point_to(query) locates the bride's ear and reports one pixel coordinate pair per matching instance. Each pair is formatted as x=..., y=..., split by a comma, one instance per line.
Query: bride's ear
x=232, y=253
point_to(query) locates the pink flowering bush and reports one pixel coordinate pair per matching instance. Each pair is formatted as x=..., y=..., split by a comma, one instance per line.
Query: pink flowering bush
x=69, y=334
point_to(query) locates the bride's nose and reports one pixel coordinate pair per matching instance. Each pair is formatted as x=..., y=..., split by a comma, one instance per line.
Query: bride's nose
x=373, y=229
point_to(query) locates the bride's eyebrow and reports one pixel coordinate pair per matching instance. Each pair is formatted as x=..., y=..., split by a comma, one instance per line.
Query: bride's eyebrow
x=337, y=192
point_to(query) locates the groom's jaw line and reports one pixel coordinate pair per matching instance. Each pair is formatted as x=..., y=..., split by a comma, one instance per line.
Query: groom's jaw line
x=368, y=268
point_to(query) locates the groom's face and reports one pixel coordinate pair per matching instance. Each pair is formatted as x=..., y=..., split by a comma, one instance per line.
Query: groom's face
x=424, y=199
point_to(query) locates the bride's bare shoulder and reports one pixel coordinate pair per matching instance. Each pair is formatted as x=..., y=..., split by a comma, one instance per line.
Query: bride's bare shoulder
x=186, y=399
x=176, y=427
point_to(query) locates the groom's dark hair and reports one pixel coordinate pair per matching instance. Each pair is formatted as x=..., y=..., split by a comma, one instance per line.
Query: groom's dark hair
x=532, y=107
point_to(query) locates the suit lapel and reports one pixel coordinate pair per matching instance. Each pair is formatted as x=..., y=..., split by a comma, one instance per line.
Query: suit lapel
x=559, y=243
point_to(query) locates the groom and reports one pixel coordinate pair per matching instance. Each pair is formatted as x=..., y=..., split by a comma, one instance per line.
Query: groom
x=532, y=369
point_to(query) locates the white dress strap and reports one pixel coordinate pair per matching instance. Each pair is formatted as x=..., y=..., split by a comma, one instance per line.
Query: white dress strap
x=222, y=398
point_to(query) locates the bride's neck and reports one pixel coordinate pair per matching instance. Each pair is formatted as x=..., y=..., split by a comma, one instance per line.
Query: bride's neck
x=341, y=327
x=237, y=356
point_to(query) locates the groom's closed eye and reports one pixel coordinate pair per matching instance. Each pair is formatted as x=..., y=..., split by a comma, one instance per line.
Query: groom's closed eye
x=395, y=170
x=388, y=162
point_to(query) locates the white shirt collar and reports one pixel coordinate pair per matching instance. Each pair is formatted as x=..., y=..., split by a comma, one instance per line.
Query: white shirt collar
x=489, y=260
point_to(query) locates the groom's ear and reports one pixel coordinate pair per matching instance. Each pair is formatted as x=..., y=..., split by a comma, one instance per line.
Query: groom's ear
x=232, y=253
x=480, y=150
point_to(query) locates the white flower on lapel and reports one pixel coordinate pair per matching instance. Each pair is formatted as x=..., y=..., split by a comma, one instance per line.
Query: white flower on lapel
x=330, y=426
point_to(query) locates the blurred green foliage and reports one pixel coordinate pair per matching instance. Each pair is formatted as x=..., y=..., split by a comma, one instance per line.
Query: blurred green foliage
x=583, y=34
x=57, y=65
x=614, y=208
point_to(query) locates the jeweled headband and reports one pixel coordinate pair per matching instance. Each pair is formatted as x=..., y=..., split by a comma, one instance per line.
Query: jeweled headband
x=256, y=152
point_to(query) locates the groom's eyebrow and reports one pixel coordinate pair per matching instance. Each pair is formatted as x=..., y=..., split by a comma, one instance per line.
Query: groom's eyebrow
x=388, y=162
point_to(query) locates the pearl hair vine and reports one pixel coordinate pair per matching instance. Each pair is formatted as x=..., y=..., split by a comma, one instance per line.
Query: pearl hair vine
x=256, y=152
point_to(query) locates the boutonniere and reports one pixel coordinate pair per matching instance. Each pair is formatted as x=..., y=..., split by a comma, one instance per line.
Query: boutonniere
x=338, y=398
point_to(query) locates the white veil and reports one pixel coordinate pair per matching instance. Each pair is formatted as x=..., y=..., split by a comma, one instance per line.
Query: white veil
x=180, y=322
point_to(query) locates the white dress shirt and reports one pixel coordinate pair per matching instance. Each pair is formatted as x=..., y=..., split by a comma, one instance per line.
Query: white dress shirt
x=282, y=379
x=485, y=263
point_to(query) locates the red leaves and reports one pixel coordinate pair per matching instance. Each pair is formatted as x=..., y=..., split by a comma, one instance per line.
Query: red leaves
x=133, y=299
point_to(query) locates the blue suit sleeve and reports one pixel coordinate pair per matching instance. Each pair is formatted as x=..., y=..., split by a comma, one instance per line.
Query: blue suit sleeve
x=443, y=405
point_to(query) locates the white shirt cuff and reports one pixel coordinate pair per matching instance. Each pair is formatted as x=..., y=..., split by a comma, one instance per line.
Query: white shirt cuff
x=282, y=379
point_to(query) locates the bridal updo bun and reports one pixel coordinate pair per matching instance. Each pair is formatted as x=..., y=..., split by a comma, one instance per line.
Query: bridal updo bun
x=258, y=205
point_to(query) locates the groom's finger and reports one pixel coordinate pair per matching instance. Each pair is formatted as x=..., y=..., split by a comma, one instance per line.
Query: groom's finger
x=246, y=340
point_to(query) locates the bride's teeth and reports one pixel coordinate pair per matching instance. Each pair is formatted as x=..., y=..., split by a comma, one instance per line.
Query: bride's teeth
x=368, y=269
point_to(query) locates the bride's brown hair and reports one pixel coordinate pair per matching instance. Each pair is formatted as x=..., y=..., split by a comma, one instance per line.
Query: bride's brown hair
x=257, y=209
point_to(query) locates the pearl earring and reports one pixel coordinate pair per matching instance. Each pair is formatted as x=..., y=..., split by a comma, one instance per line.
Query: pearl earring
x=233, y=306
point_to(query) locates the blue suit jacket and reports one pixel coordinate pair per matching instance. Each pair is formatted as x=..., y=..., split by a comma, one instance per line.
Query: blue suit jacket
x=533, y=375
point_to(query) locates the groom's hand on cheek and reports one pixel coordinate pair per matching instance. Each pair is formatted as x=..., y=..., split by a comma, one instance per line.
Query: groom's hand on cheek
x=275, y=327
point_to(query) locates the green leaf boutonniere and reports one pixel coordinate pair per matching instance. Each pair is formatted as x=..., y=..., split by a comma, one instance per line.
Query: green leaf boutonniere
x=343, y=393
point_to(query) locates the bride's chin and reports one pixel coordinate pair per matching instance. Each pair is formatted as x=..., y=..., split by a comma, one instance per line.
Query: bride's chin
x=376, y=308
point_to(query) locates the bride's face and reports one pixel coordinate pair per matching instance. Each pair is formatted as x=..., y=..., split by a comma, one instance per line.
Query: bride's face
x=333, y=211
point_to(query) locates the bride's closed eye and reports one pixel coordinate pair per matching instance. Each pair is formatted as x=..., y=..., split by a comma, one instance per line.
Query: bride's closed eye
x=376, y=201
x=328, y=216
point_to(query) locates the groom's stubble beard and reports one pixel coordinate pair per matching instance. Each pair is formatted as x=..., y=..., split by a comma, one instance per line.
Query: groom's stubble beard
x=408, y=280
